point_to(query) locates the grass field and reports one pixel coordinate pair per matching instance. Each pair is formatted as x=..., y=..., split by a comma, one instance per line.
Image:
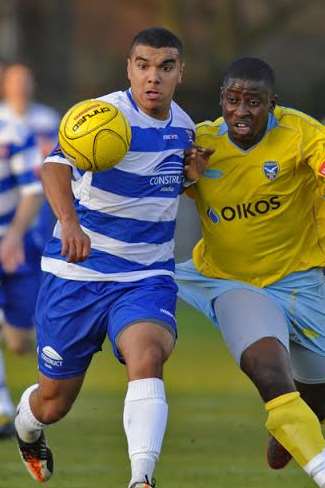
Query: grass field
x=215, y=436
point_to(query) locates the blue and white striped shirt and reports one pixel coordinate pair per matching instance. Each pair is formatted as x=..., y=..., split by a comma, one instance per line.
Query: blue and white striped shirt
x=129, y=211
x=18, y=157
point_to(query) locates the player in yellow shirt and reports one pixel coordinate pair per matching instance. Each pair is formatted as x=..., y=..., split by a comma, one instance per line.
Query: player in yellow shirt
x=256, y=272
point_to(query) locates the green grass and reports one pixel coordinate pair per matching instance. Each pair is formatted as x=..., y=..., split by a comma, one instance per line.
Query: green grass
x=215, y=437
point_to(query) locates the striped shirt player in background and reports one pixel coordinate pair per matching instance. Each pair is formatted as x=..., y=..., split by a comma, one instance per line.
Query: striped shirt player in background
x=21, y=196
x=19, y=105
x=109, y=268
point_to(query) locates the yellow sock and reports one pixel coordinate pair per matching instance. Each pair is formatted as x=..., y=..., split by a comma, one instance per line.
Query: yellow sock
x=295, y=426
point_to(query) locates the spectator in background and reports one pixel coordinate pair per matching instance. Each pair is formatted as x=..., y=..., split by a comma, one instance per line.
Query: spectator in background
x=19, y=105
x=20, y=199
x=19, y=114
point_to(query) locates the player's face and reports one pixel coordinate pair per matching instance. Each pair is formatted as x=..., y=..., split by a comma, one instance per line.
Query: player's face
x=154, y=74
x=17, y=83
x=245, y=108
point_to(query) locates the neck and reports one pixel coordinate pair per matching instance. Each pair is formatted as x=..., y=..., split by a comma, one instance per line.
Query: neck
x=249, y=143
x=19, y=106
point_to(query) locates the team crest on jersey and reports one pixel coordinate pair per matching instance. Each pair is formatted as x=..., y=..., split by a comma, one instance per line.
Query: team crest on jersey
x=271, y=169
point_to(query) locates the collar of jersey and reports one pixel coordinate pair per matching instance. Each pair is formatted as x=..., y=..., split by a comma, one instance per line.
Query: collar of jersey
x=162, y=123
x=272, y=123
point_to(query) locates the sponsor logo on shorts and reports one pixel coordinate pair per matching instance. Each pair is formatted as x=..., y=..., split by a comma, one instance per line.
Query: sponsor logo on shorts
x=167, y=312
x=244, y=210
x=271, y=169
x=51, y=357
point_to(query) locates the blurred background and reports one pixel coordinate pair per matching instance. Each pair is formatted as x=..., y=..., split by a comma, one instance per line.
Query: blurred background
x=77, y=49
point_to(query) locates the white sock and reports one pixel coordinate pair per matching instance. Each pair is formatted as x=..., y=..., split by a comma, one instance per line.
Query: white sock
x=145, y=421
x=6, y=405
x=316, y=469
x=27, y=426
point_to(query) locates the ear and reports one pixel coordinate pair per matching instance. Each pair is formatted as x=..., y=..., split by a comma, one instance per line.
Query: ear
x=181, y=72
x=273, y=102
x=221, y=95
x=128, y=69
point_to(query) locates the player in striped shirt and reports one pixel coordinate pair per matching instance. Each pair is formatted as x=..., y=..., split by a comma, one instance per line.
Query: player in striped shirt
x=20, y=199
x=110, y=265
x=20, y=106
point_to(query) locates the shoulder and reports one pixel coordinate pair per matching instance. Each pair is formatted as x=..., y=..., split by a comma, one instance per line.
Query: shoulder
x=119, y=99
x=6, y=115
x=43, y=109
x=181, y=117
x=295, y=119
x=209, y=131
x=42, y=117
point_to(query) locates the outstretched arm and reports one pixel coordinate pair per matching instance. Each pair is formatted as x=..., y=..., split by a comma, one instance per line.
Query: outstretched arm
x=196, y=162
x=56, y=179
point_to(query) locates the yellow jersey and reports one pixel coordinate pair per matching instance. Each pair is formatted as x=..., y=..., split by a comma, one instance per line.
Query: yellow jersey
x=261, y=209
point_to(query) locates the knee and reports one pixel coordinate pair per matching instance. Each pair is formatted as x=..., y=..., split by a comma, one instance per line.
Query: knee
x=148, y=363
x=18, y=347
x=18, y=342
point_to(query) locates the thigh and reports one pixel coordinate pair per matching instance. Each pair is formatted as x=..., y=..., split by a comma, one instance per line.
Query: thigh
x=246, y=316
x=200, y=292
x=151, y=301
x=71, y=323
x=302, y=296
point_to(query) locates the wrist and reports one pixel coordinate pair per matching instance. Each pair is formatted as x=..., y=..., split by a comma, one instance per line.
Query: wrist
x=187, y=183
x=68, y=218
x=16, y=230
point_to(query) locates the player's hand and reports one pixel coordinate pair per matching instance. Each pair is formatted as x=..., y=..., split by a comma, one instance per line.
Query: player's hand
x=196, y=162
x=75, y=243
x=12, y=253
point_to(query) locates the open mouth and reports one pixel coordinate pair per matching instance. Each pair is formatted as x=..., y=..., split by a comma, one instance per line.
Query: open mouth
x=152, y=94
x=242, y=127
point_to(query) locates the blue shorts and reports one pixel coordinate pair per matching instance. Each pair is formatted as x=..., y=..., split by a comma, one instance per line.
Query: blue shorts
x=74, y=317
x=299, y=297
x=18, y=291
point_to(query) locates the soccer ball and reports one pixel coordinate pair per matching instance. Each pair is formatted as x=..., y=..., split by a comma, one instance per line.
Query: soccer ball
x=94, y=135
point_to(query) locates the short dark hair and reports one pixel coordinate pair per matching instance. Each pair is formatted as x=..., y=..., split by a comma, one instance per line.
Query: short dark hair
x=253, y=69
x=157, y=37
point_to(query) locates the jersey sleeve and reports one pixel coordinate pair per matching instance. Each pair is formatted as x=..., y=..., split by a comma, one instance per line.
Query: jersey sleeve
x=205, y=133
x=313, y=147
x=57, y=156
